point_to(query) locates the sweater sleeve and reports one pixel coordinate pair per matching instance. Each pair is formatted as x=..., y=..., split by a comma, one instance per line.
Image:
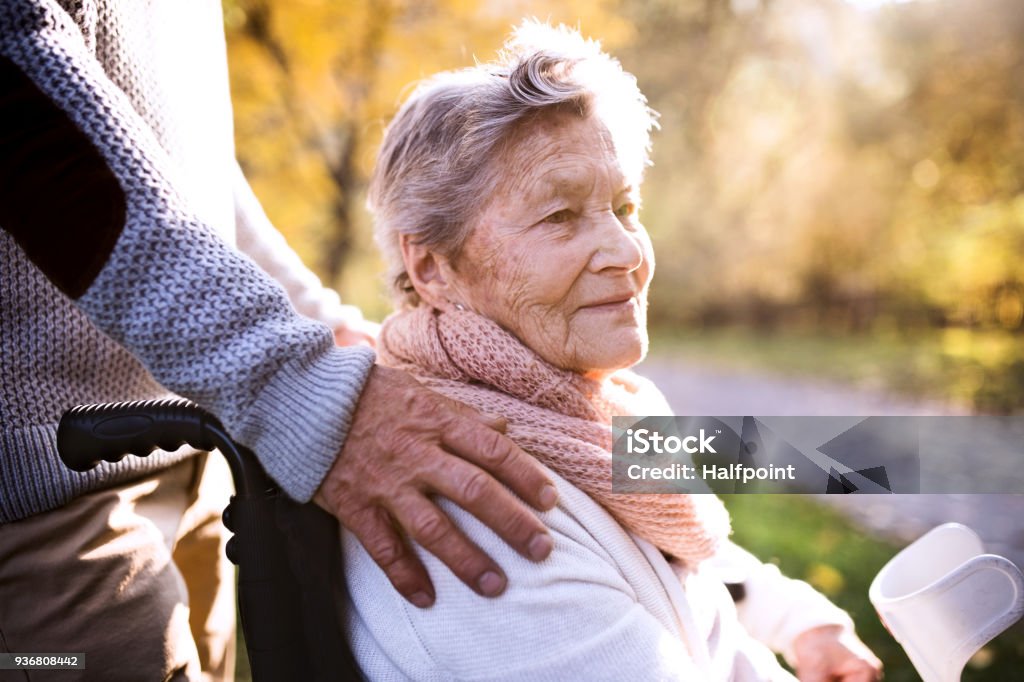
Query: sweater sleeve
x=88, y=193
x=776, y=609
x=260, y=240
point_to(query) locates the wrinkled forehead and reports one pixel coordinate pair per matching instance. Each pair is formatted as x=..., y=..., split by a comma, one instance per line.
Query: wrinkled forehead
x=555, y=154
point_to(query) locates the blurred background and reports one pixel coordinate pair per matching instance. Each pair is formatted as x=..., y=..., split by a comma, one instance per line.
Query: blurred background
x=836, y=204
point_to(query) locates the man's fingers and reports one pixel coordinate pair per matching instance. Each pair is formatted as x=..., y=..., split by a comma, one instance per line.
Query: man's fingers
x=488, y=419
x=372, y=526
x=475, y=491
x=428, y=525
x=392, y=461
x=498, y=455
x=492, y=421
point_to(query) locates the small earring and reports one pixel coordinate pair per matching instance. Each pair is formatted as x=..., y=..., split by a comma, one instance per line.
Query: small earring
x=459, y=306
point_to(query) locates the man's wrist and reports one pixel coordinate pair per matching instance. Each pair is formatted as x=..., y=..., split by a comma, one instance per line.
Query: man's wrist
x=301, y=418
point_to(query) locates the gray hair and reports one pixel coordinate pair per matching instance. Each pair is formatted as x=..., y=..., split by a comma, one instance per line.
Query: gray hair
x=435, y=169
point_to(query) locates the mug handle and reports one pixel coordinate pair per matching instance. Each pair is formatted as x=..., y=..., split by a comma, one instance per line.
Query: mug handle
x=996, y=609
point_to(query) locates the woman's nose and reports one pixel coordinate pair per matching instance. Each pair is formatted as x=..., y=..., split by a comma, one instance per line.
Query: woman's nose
x=617, y=247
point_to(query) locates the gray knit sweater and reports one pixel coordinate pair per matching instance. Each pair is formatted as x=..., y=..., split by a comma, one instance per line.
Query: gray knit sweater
x=118, y=281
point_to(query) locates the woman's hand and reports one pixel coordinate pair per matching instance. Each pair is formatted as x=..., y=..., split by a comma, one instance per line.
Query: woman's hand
x=833, y=653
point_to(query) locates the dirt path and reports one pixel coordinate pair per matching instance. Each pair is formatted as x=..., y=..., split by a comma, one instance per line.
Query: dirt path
x=695, y=389
x=701, y=390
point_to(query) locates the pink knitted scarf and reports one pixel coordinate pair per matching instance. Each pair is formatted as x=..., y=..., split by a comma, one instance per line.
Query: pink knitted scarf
x=561, y=417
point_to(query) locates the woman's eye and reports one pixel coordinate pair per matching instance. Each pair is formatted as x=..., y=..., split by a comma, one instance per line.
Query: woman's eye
x=626, y=210
x=562, y=216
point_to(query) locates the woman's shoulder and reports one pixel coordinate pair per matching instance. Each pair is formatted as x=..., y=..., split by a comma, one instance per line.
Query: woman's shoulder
x=595, y=578
x=582, y=530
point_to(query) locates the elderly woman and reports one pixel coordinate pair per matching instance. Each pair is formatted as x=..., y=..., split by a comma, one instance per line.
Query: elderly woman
x=505, y=200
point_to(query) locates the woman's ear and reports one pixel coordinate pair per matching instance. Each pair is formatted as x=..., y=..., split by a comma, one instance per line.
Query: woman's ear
x=428, y=271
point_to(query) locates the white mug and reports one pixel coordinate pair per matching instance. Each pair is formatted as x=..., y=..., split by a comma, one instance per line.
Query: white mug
x=943, y=598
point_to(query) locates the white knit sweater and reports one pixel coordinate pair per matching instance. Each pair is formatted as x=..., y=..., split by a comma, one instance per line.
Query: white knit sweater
x=604, y=606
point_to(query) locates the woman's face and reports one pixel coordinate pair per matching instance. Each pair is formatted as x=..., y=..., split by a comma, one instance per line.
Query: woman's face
x=558, y=256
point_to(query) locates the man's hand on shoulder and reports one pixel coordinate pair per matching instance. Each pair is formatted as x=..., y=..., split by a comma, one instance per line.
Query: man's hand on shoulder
x=407, y=443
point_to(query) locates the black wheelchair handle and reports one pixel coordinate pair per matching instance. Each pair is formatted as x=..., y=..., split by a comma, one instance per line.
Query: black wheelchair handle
x=289, y=619
x=89, y=434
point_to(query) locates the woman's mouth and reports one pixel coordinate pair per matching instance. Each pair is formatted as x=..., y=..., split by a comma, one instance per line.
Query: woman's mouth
x=613, y=305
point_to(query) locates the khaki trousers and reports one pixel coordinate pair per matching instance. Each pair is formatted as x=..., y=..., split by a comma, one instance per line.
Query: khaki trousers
x=134, y=577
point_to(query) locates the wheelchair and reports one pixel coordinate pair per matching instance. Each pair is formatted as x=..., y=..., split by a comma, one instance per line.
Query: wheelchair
x=290, y=592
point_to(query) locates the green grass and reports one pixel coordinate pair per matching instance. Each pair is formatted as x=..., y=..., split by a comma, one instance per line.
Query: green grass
x=816, y=544
x=983, y=370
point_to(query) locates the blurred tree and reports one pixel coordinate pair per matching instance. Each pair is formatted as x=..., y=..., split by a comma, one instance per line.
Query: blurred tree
x=817, y=157
x=961, y=206
x=818, y=164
